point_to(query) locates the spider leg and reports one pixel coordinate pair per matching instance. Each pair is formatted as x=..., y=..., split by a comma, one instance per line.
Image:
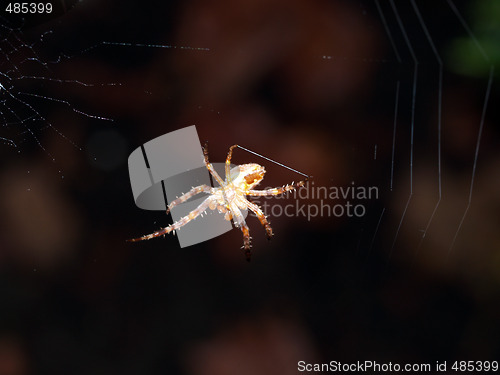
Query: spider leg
x=275, y=191
x=246, y=241
x=228, y=162
x=239, y=221
x=262, y=218
x=189, y=194
x=210, y=167
x=181, y=222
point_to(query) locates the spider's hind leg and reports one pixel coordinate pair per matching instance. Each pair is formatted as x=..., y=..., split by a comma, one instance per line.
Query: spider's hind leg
x=247, y=241
x=262, y=218
x=239, y=222
x=178, y=224
x=189, y=194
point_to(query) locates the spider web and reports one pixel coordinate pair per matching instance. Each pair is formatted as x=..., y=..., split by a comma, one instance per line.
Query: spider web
x=24, y=80
x=424, y=66
x=32, y=87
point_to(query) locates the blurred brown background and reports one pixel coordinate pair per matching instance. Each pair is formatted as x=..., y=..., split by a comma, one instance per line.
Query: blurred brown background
x=311, y=84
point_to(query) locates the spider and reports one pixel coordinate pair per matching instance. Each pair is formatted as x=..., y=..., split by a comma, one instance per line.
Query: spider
x=230, y=198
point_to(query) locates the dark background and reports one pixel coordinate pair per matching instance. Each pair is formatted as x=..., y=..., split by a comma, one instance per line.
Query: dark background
x=311, y=84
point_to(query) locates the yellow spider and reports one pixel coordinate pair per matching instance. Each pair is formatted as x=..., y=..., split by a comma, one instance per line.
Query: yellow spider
x=229, y=198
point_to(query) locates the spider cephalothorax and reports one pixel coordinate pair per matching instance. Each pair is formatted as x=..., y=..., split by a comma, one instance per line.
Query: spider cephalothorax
x=229, y=198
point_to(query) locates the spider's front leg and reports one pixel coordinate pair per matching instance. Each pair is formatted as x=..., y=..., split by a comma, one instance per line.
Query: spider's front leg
x=228, y=161
x=210, y=167
x=276, y=191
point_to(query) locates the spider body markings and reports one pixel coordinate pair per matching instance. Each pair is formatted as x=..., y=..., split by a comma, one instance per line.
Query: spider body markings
x=229, y=198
